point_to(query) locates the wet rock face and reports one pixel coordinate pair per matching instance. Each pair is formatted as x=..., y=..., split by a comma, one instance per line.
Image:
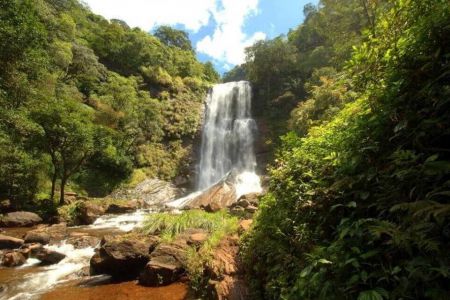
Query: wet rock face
x=9, y=242
x=20, y=219
x=122, y=259
x=165, y=265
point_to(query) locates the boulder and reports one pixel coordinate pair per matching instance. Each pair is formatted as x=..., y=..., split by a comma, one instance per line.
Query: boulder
x=218, y=196
x=161, y=270
x=33, y=249
x=122, y=259
x=9, y=242
x=49, y=257
x=212, y=207
x=251, y=209
x=151, y=191
x=20, y=219
x=13, y=259
x=251, y=199
x=37, y=237
x=237, y=211
x=80, y=242
x=89, y=212
x=165, y=265
x=45, y=234
x=119, y=209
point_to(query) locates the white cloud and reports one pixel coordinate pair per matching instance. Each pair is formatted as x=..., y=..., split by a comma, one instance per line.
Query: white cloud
x=228, y=41
x=147, y=14
x=226, y=44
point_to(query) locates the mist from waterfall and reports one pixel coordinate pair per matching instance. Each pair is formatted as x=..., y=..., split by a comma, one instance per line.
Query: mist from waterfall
x=228, y=137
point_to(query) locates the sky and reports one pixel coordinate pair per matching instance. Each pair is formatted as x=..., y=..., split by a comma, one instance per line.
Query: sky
x=220, y=30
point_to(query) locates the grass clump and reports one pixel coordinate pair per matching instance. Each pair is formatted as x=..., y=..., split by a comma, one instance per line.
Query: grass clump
x=169, y=226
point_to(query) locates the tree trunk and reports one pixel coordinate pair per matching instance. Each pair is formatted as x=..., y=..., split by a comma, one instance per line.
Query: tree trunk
x=63, y=184
x=54, y=177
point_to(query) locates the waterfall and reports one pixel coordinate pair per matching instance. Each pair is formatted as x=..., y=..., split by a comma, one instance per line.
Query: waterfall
x=228, y=137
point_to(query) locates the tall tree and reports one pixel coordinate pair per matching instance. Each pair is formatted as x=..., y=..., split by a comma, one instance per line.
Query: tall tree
x=67, y=136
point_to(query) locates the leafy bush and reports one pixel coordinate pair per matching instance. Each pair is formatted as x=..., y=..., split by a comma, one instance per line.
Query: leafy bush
x=358, y=209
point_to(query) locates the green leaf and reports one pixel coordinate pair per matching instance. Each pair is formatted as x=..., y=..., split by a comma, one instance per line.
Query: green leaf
x=370, y=295
x=324, y=261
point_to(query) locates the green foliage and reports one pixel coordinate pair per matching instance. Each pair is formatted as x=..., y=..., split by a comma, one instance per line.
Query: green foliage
x=358, y=208
x=73, y=212
x=81, y=98
x=282, y=70
x=173, y=37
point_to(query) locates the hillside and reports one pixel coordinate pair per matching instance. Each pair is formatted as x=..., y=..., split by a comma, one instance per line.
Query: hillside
x=358, y=203
x=92, y=103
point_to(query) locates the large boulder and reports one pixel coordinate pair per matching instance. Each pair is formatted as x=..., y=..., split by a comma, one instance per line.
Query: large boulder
x=20, y=219
x=13, y=259
x=123, y=259
x=151, y=191
x=9, y=242
x=88, y=213
x=165, y=265
x=217, y=197
x=45, y=234
x=37, y=237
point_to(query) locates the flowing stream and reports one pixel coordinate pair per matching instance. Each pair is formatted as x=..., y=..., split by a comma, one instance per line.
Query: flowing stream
x=31, y=281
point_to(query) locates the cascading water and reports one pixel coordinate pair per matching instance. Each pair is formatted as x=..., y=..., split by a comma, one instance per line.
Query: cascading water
x=227, y=141
x=228, y=137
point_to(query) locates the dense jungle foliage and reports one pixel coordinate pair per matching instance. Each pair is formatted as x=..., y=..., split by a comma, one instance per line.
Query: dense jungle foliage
x=91, y=102
x=358, y=203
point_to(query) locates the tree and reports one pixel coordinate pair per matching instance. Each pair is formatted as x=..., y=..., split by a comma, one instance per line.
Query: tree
x=67, y=136
x=173, y=37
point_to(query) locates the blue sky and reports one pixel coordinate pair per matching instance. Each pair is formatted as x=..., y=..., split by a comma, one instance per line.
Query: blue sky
x=219, y=29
